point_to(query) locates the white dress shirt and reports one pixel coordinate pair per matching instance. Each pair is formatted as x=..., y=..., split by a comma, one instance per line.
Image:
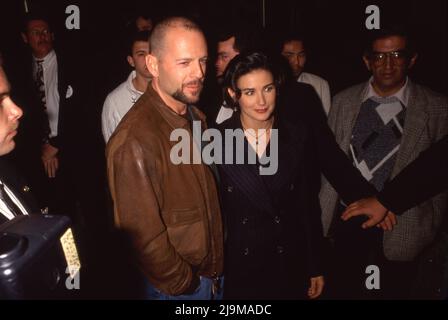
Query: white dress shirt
x=224, y=113
x=117, y=104
x=50, y=68
x=4, y=210
x=320, y=85
x=402, y=94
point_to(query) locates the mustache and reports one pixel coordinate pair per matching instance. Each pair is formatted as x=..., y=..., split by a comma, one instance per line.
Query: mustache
x=197, y=82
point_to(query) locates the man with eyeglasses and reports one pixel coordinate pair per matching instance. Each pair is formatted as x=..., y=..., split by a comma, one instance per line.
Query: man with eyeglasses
x=52, y=148
x=383, y=125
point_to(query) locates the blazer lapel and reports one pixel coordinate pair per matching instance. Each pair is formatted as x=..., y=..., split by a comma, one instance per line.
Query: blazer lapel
x=350, y=114
x=414, y=126
x=246, y=177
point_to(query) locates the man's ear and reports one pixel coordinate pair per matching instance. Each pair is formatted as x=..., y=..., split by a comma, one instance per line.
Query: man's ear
x=24, y=37
x=152, y=64
x=412, y=61
x=366, y=62
x=130, y=61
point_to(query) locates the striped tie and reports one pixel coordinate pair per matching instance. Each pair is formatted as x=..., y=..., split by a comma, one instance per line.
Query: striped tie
x=40, y=85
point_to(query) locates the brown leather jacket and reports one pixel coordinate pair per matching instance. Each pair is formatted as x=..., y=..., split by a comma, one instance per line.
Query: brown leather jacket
x=171, y=212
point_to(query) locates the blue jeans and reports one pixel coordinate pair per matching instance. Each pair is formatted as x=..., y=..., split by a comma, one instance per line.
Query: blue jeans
x=203, y=292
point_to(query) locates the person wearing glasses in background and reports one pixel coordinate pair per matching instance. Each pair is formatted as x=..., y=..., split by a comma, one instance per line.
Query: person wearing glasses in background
x=383, y=125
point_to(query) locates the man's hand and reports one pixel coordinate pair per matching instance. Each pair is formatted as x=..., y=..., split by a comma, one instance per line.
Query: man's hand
x=388, y=223
x=371, y=208
x=316, y=287
x=50, y=160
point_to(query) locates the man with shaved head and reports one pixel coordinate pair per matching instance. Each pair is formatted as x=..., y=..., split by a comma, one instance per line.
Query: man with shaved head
x=169, y=211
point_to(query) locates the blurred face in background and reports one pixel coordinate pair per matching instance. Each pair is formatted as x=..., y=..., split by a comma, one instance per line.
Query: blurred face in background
x=39, y=37
x=140, y=49
x=294, y=51
x=226, y=53
x=143, y=24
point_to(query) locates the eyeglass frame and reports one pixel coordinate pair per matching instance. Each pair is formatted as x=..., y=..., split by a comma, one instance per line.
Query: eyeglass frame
x=397, y=56
x=44, y=32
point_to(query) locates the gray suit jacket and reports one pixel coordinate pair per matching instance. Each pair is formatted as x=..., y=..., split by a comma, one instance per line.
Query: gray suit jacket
x=426, y=122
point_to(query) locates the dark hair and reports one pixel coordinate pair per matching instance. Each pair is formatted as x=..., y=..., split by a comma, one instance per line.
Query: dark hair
x=394, y=30
x=32, y=16
x=293, y=36
x=135, y=37
x=246, y=38
x=243, y=64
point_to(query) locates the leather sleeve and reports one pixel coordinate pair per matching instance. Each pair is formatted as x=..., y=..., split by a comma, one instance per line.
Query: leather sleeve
x=136, y=209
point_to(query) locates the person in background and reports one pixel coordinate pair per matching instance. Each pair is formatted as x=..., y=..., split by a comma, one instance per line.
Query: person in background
x=121, y=99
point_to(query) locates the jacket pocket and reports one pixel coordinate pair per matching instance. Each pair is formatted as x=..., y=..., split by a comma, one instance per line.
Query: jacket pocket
x=186, y=232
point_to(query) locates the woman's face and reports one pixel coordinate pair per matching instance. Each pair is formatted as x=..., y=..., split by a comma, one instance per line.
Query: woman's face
x=257, y=101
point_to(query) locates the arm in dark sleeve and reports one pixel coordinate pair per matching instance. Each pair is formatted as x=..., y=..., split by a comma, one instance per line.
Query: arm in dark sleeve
x=311, y=217
x=422, y=179
x=334, y=163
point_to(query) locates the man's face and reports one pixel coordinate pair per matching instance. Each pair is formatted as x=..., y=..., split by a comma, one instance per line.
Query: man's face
x=180, y=68
x=294, y=51
x=226, y=53
x=389, y=64
x=140, y=49
x=9, y=117
x=143, y=24
x=39, y=37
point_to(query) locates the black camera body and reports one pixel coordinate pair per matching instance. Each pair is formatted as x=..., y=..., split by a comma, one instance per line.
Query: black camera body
x=35, y=254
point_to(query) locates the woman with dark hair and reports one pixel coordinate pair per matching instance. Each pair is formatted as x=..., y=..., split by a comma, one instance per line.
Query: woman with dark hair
x=274, y=239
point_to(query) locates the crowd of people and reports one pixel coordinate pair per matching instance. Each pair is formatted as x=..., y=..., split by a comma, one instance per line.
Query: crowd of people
x=360, y=179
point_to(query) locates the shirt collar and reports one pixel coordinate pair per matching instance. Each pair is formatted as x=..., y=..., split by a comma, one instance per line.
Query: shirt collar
x=402, y=94
x=49, y=58
x=130, y=84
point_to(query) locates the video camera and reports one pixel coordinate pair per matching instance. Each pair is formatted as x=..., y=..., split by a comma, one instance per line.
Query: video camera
x=38, y=258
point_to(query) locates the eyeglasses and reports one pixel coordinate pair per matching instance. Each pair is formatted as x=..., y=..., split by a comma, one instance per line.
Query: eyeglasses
x=44, y=32
x=380, y=58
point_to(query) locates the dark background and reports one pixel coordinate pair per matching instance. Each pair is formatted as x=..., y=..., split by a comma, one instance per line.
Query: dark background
x=334, y=31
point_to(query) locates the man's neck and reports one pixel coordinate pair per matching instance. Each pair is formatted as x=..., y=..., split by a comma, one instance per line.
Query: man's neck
x=140, y=83
x=41, y=56
x=177, y=106
x=385, y=91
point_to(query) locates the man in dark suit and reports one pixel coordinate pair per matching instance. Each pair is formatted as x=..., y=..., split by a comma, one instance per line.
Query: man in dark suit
x=52, y=138
x=15, y=197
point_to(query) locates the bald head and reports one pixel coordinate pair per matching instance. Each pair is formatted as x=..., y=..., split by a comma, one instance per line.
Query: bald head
x=158, y=37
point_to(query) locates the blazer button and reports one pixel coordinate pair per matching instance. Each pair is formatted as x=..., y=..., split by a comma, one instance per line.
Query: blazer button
x=291, y=187
x=26, y=189
x=246, y=251
x=280, y=249
x=229, y=188
x=245, y=220
x=44, y=210
x=277, y=219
